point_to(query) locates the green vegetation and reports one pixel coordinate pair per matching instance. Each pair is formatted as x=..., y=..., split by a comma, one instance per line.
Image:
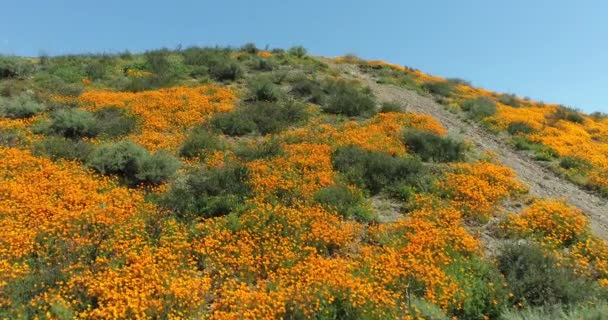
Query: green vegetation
x=535, y=278
x=377, y=171
x=133, y=163
x=348, y=99
x=200, y=141
x=61, y=148
x=345, y=201
x=22, y=106
x=208, y=193
x=430, y=146
x=479, y=108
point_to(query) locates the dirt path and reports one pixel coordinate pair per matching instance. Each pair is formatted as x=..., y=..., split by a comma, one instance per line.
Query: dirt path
x=542, y=181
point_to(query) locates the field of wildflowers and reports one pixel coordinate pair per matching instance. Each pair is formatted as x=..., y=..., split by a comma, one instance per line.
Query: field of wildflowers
x=80, y=243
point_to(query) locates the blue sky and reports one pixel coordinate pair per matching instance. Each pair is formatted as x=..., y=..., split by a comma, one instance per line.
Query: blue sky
x=553, y=51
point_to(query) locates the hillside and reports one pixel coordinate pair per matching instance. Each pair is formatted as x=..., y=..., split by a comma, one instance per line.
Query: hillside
x=252, y=184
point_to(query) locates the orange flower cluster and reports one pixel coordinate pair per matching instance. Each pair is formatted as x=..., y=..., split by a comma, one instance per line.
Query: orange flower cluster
x=476, y=188
x=264, y=54
x=382, y=133
x=417, y=250
x=300, y=172
x=552, y=221
x=557, y=225
x=167, y=114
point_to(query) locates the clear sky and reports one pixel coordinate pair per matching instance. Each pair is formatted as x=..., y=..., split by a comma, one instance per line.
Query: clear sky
x=555, y=51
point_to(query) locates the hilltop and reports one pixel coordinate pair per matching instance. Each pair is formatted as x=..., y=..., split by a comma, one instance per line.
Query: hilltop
x=240, y=183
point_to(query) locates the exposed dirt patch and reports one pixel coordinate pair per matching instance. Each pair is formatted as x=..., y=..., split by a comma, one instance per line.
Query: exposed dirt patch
x=542, y=181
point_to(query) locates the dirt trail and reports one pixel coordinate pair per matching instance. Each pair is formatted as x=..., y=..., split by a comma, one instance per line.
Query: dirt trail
x=542, y=181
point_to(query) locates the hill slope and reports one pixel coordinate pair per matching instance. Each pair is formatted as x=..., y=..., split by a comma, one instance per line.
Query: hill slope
x=543, y=182
x=244, y=184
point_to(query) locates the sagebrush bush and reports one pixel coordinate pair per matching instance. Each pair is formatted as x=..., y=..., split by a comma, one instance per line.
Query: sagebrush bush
x=233, y=123
x=259, y=150
x=430, y=146
x=275, y=117
x=348, y=99
x=114, y=121
x=263, y=117
x=56, y=85
x=573, y=163
x=250, y=48
x=72, y=123
x=62, y=148
x=486, y=297
x=225, y=70
x=10, y=137
x=441, y=88
x=208, y=193
x=262, y=89
x=132, y=163
x=297, y=51
x=520, y=127
x=22, y=106
x=391, y=107
x=566, y=114
x=510, y=100
x=376, y=171
x=199, y=142
x=14, y=67
x=536, y=278
x=345, y=201
x=310, y=90
x=479, y=108
x=261, y=64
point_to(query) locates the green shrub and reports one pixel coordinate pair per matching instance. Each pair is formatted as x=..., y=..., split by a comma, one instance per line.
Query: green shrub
x=275, y=117
x=14, y=67
x=567, y=114
x=430, y=146
x=259, y=150
x=19, y=107
x=297, y=51
x=441, y=88
x=72, y=123
x=349, y=100
x=309, y=89
x=262, y=89
x=536, y=278
x=97, y=69
x=261, y=64
x=250, y=48
x=133, y=163
x=519, y=127
x=233, y=123
x=585, y=311
x=199, y=142
x=345, y=201
x=391, y=107
x=114, y=121
x=376, y=171
x=263, y=117
x=10, y=137
x=481, y=284
x=62, y=148
x=573, y=163
x=58, y=86
x=479, y=108
x=225, y=70
x=510, y=100
x=521, y=143
x=208, y=193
